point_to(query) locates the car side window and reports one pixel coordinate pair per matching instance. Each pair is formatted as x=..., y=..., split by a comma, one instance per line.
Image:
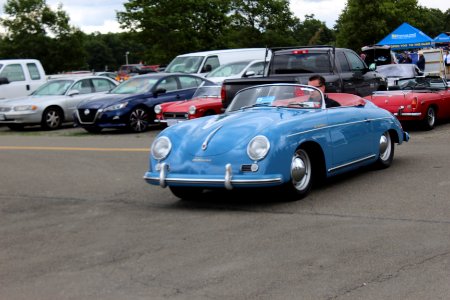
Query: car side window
x=356, y=64
x=102, y=85
x=13, y=72
x=343, y=62
x=188, y=82
x=34, y=72
x=169, y=84
x=213, y=61
x=258, y=68
x=83, y=86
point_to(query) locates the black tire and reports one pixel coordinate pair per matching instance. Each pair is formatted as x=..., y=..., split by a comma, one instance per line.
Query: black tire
x=52, y=118
x=301, y=170
x=93, y=129
x=186, y=192
x=430, y=119
x=16, y=127
x=387, y=149
x=139, y=120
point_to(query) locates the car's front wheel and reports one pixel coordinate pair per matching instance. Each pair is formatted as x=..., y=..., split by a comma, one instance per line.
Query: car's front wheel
x=186, y=193
x=52, y=118
x=387, y=147
x=139, y=120
x=301, y=175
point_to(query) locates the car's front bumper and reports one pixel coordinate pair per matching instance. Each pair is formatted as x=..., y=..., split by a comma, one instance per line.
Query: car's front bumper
x=164, y=178
x=34, y=117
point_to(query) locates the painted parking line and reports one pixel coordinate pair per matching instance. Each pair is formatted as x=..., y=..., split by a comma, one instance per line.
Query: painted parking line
x=74, y=149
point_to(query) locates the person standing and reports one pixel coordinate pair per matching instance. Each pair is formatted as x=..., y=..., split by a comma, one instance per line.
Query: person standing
x=421, y=62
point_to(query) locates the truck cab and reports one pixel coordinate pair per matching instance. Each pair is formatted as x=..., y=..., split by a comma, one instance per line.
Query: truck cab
x=20, y=77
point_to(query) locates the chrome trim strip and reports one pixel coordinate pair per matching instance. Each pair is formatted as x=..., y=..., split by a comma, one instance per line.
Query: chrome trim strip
x=351, y=163
x=216, y=181
x=337, y=125
x=408, y=114
x=208, y=138
x=88, y=123
x=163, y=175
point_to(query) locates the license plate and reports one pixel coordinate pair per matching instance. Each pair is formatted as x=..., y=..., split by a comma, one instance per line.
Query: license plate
x=2, y=117
x=171, y=122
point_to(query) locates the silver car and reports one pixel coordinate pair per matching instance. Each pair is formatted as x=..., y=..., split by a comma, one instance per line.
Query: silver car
x=53, y=103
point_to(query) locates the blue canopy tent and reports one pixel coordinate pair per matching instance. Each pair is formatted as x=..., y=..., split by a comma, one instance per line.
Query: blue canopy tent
x=407, y=37
x=442, y=38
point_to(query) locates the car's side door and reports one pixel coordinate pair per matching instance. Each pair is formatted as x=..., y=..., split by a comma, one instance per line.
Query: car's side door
x=349, y=136
x=17, y=85
x=84, y=87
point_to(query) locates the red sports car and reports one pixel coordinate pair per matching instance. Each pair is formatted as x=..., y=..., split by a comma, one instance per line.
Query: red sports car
x=206, y=101
x=420, y=99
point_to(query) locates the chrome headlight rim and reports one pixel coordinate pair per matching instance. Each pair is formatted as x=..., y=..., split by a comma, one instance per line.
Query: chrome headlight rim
x=258, y=147
x=161, y=148
x=192, y=110
x=158, y=109
x=116, y=106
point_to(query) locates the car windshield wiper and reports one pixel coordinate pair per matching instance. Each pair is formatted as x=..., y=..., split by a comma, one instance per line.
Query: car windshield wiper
x=255, y=105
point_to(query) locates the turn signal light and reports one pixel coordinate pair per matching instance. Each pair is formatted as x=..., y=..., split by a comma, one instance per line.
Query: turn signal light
x=414, y=103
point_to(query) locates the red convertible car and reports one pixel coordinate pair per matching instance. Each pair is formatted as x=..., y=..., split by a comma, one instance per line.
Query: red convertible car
x=420, y=99
x=206, y=101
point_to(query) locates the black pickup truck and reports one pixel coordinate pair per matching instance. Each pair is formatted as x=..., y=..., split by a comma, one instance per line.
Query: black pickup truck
x=344, y=71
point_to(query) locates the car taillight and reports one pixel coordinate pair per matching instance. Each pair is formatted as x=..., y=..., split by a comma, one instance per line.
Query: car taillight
x=300, y=52
x=223, y=93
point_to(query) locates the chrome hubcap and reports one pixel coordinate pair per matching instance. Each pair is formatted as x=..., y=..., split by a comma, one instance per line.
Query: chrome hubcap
x=300, y=170
x=431, y=117
x=52, y=119
x=385, y=146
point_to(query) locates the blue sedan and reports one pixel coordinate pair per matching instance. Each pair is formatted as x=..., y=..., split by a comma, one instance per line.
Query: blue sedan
x=274, y=135
x=131, y=104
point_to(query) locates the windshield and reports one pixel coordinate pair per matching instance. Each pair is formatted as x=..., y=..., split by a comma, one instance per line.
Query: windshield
x=207, y=92
x=135, y=85
x=228, y=69
x=422, y=83
x=301, y=61
x=293, y=96
x=184, y=64
x=54, y=87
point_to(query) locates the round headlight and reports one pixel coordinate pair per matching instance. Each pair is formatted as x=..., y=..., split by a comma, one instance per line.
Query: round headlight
x=158, y=109
x=161, y=148
x=192, y=110
x=258, y=147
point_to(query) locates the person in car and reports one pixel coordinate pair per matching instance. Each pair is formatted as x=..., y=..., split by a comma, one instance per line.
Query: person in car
x=318, y=81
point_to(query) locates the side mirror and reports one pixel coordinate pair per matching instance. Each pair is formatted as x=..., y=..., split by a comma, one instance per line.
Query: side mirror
x=372, y=67
x=159, y=91
x=249, y=73
x=207, y=69
x=4, y=80
x=73, y=92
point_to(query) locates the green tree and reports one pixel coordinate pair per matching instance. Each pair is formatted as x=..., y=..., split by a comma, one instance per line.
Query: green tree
x=191, y=25
x=365, y=22
x=313, y=32
x=34, y=30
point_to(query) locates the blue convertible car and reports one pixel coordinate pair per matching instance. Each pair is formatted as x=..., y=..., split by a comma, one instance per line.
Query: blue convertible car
x=274, y=135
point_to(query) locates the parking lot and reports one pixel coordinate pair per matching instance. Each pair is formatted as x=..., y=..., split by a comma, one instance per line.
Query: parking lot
x=77, y=221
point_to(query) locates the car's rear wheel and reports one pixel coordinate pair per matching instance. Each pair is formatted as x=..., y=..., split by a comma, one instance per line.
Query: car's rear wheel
x=387, y=147
x=430, y=118
x=186, y=193
x=52, y=118
x=139, y=120
x=301, y=171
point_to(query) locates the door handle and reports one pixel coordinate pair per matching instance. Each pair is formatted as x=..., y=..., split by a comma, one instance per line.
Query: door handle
x=28, y=87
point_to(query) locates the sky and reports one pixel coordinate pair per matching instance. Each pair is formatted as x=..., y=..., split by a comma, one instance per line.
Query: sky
x=100, y=15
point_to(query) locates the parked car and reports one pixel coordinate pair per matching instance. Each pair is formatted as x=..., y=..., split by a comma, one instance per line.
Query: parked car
x=112, y=75
x=280, y=136
x=53, y=103
x=421, y=99
x=127, y=71
x=131, y=104
x=20, y=77
x=206, y=101
x=394, y=72
x=240, y=69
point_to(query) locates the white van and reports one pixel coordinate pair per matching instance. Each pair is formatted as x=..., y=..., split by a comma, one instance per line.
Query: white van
x=204, y=62
x=20, y=77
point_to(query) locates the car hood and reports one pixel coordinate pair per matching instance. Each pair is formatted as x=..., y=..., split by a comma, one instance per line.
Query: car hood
x=183, y=106
x=102, y=101
x=218, y=134
x=32, y=100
